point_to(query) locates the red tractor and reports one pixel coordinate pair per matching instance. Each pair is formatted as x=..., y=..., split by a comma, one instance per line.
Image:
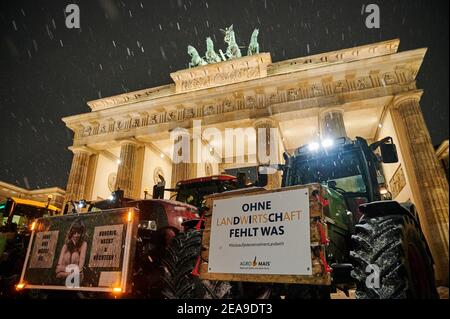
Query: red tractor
x=143, y=243
x=160, y=220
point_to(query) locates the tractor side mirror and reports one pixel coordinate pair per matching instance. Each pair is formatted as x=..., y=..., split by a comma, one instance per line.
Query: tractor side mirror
x=389, y=153
x=387, y=148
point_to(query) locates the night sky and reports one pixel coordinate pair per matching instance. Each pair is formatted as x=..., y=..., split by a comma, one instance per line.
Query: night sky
x=48, y=71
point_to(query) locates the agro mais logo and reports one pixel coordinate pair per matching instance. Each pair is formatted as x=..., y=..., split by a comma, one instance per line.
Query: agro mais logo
x=255, y=264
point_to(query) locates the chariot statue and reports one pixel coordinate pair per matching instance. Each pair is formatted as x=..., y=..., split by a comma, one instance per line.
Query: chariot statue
x=233, y=51
x=211, y=56
x=253, y=47
x=196, y=59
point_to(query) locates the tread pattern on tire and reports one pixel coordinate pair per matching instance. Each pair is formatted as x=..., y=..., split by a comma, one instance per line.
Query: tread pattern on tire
x=178, y=263
x=382, y=241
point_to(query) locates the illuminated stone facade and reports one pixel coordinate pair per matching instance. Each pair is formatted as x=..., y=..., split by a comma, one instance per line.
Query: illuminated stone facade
x=40, y=195
x=368, y=91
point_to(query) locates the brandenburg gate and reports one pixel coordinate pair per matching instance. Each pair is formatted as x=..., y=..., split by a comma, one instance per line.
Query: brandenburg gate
x=368, y=91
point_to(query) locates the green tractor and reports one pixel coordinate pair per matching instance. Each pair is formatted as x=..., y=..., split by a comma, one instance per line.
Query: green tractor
x=375, y=244
x=17, y=216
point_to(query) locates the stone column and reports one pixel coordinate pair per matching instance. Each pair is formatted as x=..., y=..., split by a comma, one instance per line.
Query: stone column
x=332, y=124
x=428, y=181
x=264, y=142
x=90, y=178
x=185, y=169
x=126, y=170
x=76, y=183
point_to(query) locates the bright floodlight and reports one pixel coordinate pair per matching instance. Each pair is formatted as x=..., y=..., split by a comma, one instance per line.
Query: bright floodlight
x=327, y=143
x=313, y=146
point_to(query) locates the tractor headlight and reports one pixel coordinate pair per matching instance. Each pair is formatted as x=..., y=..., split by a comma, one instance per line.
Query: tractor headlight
x=326, y=143
x=313, y=146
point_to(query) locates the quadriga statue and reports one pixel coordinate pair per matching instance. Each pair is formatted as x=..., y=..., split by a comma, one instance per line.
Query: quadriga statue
x=211, y=56
x=196, y=59
x=233, y=50
x=253, y=47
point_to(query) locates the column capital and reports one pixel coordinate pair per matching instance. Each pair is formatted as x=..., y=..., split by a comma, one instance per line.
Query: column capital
x=129, y=141
x=180, y=131
x=82, y=149
x=266, y=120
x=331, y=122
x=402, y=97
x=327, y=110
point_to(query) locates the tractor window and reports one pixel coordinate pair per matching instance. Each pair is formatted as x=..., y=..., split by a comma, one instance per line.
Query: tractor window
x=354, y=184
x=193, y=193
x=251, y=173
x=3, y=214
x=23, y=215
x=344, y=168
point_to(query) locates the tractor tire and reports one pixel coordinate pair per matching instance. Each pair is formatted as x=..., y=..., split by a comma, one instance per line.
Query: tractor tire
x=179, y=261
x=391, y=260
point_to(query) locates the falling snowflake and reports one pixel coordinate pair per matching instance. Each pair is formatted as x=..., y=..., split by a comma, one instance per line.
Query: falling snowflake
x=163, y=54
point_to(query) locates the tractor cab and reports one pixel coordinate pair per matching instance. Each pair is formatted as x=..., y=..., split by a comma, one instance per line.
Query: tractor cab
x=17, y=214
x=193, y=191
x=349, y=168
x=17, y=217
x=351, y=174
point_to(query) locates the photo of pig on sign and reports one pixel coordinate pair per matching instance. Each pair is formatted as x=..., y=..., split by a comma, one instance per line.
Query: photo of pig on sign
x=261, y=234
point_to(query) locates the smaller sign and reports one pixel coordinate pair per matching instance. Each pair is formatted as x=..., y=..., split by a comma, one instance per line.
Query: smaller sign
x=106, y=246
x=44, y=249
x=109, y=279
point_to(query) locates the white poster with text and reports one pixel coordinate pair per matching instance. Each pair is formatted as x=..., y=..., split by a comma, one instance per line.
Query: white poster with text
x=261, y=234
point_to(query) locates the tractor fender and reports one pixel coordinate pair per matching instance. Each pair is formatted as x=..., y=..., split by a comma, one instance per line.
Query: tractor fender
x=196, y=223
x=385, y=207
x=169, y=233
x=412, y=209
x=391, y=207
x=193, y=223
